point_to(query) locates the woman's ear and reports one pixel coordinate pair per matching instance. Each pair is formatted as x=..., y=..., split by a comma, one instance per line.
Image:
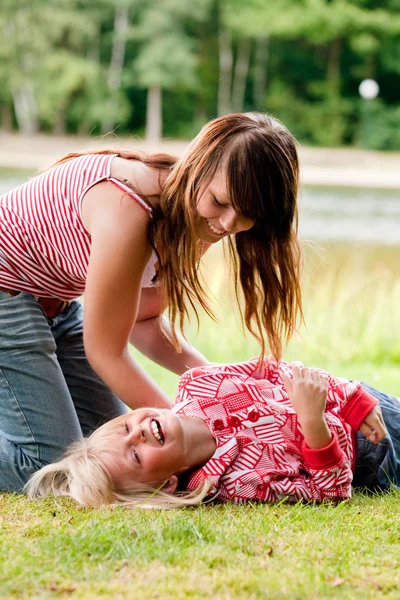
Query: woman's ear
x=170, y=485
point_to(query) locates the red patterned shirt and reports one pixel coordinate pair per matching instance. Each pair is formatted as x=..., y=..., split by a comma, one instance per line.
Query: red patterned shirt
x=261, y=453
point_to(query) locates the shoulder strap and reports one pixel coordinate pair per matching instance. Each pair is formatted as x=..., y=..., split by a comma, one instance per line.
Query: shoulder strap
x=125, y=186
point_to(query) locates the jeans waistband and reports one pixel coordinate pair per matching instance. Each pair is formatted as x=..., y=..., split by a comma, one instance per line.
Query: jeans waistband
x=51, y=306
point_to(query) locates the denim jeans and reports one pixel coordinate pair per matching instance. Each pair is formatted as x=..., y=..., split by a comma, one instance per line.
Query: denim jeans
x=378, y=465
x=49, y=394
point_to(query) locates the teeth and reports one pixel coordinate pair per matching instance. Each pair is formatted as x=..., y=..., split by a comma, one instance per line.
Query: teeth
x=155, y=432
x=214, y=229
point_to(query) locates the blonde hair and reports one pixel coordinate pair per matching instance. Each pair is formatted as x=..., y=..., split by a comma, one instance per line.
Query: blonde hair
x=82, y=475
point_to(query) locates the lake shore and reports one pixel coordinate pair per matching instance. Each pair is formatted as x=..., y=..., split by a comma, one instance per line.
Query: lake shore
x=345, y=167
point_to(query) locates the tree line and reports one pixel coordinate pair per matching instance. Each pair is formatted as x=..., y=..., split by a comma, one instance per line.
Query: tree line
x=164, y=67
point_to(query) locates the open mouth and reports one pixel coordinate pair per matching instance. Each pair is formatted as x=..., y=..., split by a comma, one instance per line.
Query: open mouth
x=214, y=229
x=157, y=431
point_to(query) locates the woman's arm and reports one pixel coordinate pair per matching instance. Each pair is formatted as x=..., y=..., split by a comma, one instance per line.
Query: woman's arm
x=119, y=253
x=148, y=338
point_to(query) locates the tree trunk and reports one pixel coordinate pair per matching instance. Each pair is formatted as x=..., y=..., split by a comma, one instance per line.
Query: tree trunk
x=240, y=75
x=93, y=55
x=6, y=118
x=154, y=115
x=121, y=23
x=333, y=75
x=26, y=110
x=60, y=124
x=23, y=94
x=225, y=72
x=93, y=51
x=261, y=60
x=332, y=98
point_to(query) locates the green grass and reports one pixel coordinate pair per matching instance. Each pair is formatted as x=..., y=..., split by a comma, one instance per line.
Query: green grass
x=294, y=552
x=52, y=549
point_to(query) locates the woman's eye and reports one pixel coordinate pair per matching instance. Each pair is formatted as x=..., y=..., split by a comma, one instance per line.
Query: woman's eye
x=126, y=428
x=218, y=203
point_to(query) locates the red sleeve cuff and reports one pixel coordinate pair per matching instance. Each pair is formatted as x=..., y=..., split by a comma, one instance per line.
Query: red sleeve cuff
x=323, y=458
x=357, y=408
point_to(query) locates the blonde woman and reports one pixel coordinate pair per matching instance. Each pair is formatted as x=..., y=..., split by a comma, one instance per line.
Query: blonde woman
x=128, y=231
x=238, y=432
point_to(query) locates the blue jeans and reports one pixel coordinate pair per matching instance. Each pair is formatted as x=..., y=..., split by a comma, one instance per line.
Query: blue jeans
x=49, y=394
x=378, y=465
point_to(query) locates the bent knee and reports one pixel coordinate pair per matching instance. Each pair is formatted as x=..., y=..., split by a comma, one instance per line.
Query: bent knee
x=14, y=477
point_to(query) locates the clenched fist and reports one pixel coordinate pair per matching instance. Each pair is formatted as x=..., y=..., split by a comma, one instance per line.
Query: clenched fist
x=308, y=393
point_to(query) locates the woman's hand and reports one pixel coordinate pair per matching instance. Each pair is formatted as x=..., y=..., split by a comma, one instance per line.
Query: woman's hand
x=308, y=392
x=373, y=426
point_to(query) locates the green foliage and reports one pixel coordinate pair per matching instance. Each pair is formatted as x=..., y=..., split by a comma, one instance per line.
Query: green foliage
x=74, y=75
x=323, y=121
x=379, y=126
x=390, y=54
x=316, y=20
x=168, y=62
x=166, y=53
x=56, y=64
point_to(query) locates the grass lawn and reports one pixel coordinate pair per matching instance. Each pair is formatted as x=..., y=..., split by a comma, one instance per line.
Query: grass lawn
x=52, y=549
x=278, y=552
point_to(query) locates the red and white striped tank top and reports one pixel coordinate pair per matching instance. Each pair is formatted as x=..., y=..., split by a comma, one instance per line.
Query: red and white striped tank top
x=44, y=244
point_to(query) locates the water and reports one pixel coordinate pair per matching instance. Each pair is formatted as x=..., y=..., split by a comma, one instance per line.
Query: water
x=350, y=215
x=331, y=214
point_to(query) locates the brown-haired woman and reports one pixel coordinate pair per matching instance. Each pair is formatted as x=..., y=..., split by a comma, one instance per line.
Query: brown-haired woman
x=128, y=231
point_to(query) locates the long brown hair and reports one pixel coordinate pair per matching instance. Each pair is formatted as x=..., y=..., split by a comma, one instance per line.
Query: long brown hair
x=159, y=160
x=261, y=166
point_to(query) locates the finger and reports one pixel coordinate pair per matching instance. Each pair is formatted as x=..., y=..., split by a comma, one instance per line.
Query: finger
x=316, y=376
x=306, y=374
x=380, y=431
x=369, y=433
x=296, y=373
x=373, y=437
x=381, y=421
x=375, y=422
x=324, y=381
x=288, y=384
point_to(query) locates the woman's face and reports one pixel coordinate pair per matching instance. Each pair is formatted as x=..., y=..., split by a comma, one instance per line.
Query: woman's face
x=216, y=217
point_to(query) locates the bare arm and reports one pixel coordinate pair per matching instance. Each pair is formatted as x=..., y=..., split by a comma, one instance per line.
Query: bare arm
x=119, y=253
x=148, y=338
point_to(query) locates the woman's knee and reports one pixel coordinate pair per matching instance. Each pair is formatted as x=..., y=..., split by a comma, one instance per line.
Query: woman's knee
x=15, y=475
x=19, y=461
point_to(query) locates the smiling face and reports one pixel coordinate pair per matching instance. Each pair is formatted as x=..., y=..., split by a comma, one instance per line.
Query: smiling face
x=216, y=217
x=152, y=446
x=148, y=447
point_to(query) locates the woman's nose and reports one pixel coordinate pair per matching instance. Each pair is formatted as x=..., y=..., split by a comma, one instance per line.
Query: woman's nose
x=232, y=222
x=229, y=220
